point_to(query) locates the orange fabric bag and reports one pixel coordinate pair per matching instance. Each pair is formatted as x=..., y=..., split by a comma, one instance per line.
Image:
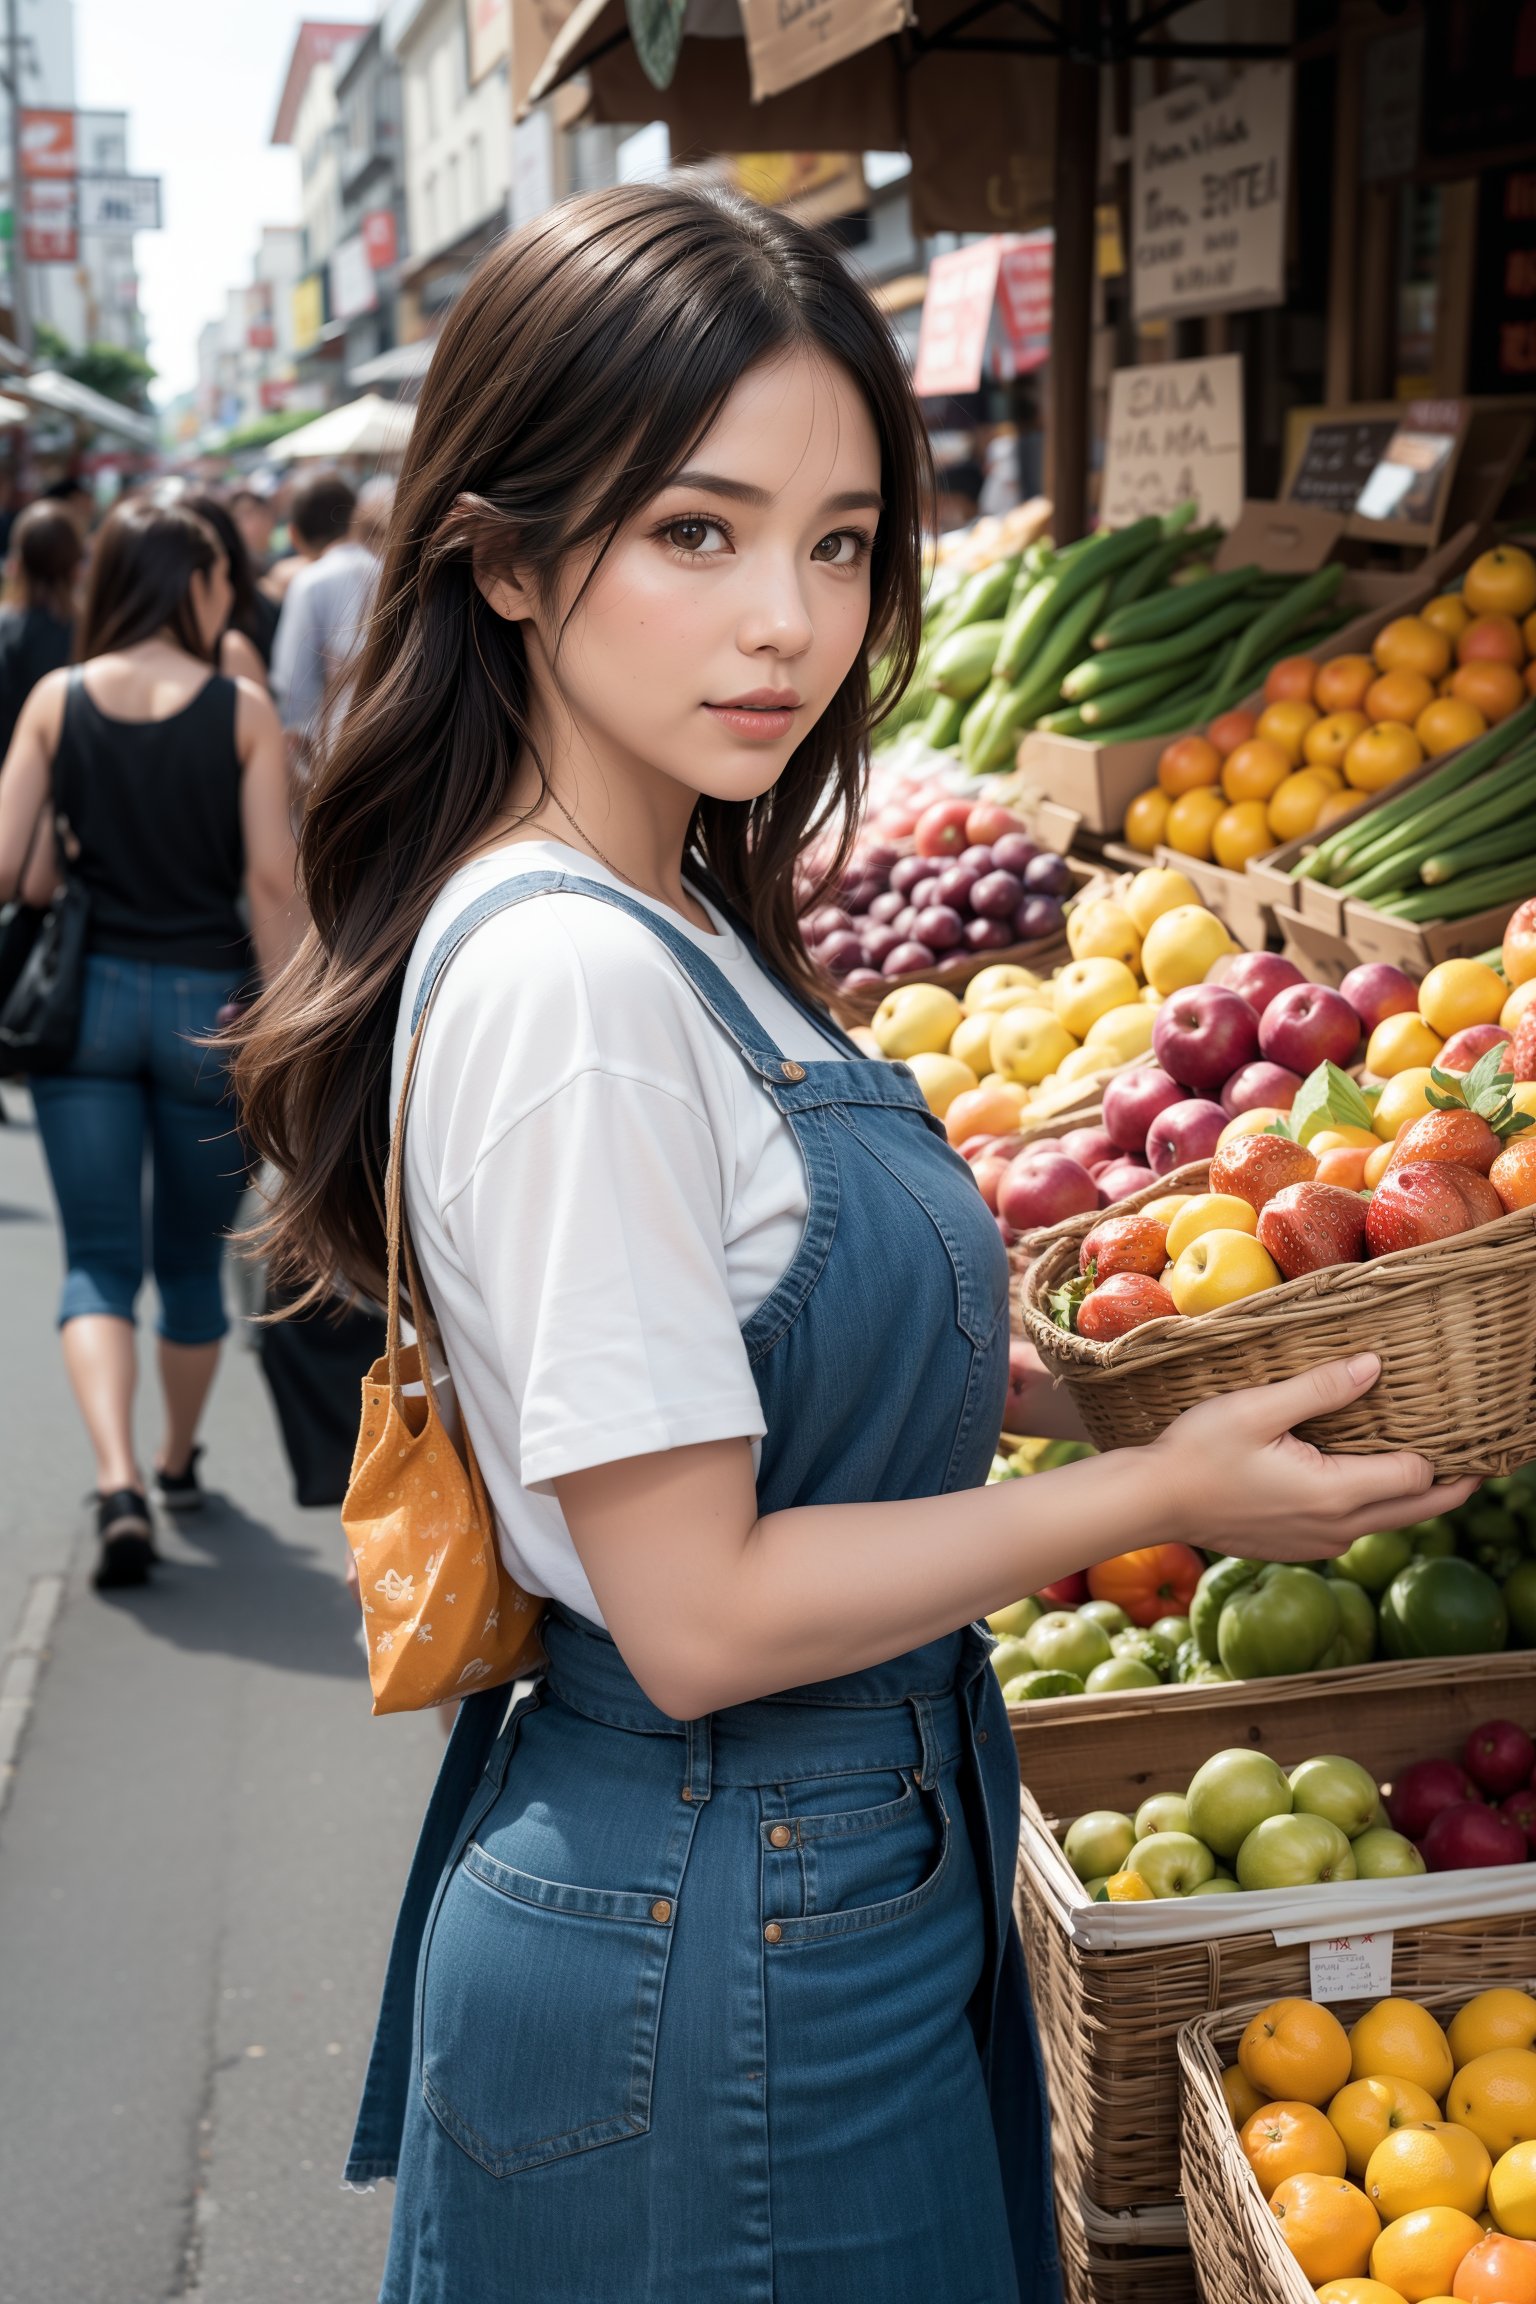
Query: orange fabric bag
x=441, y=1615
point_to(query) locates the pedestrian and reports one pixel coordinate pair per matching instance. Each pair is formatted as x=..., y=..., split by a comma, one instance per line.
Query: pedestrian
x=706, y=1982
x=75, y=497
x=169, y=781
x=324, y=610
x=246, y=649
x=251, y=510
x=37, y=625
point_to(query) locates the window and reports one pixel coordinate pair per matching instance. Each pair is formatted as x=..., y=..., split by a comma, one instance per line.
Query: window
x=477, y=201
x=429, y=210
x=429, y=94
x=453, y=217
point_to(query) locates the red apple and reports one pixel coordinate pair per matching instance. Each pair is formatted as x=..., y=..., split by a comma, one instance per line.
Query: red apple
x=1377, y=989
x=1308, y=1226
x=1520, y=1808
x=1520, y=942
x=1133, y=1100
x=1184, y=1132
x=1091, y=1148
x=989, y=821
x=941, y=829
x=989, y=1172
x=1260, y=1085
x=1045, y=1188
x=1203, y=1035
x=1468, y=1835
x=1258, y=976
x=1067, y=1591
x=1024, y=1372
x=1309, y=1025
x=1118, y=1179
x=1422, y=1790
x=1499, y=1758
x=1463, y=1048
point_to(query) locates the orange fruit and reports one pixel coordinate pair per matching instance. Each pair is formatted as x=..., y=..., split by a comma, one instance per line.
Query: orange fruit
x=1254, y=769
x=1457, y=993
x=1336, y=805
x=1496, y=688
x=1409, y=644
x=1192, y=820
x=1127, y=1888
x=1239, y=832
x=1501, y=582
x=1290, y=680
x=1381, y=755
x=1449, y=614
x=1147, y=818
x=1500, y=2017
x=1400, y=695
x=1229, y=729
x=1328, y=2225
x=1418, y=2254
x=1446, y=723
x=1512, y=2191
x=1243, y=2099
x=1492, y=639
x=1376, y=1164
x=1509, y=1016
x=1326, y=741
x=1332, y=776
x=1359, y=2292
x=1399, y=2040
x=1344, y=1165
x=993, y=1109
x=1299, y=802
x=1186, y=764
x=1341, y=683
x=1367, y=2111
x=1290, y=2140
x=1494, y=2097
x=1530, y=677
x=1285, y=724
x=1514, y=1179
x=1296, y=2051
x=1428, y=2164
x=1497, y=2271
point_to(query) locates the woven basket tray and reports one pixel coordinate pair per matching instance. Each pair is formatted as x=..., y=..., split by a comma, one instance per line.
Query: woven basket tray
x=1455, y=1325
x=1236, y=2242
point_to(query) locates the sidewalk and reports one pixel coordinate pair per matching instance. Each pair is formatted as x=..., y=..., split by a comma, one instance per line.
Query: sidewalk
x=199, y=1863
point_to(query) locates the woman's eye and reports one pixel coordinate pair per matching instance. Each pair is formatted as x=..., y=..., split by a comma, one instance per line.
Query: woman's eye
x=691, y=534
x=843, y=549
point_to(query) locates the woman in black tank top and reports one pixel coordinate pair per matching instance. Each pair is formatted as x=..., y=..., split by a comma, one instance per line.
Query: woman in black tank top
x=169, y=789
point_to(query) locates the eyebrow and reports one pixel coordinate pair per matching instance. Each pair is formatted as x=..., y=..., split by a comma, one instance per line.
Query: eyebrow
x=744, y=492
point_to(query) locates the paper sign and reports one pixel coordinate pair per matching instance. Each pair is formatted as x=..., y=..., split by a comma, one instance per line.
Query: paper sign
x=957, y=312
x=1024, y=295
x=1209, y=196
x=1174, y=431
x=1406, y=494
x=1352, y=1967
x=792, y=40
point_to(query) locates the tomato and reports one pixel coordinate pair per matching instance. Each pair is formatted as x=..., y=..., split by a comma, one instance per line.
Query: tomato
x=1157, y=1581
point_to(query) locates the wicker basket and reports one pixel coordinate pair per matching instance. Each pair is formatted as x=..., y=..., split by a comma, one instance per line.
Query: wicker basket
x=1236, y=2243
x=1455, y=1325
x=1110, y=2017
x=1132, y=2259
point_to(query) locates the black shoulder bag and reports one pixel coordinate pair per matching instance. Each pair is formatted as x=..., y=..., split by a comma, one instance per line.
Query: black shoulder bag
x=40, y=1009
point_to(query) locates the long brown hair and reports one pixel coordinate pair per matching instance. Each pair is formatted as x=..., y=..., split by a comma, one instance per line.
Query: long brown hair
x=45, y=553
x=585, y=359
x=140, y=583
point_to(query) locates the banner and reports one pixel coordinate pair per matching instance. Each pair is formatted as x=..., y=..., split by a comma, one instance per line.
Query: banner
x=50, y=235
x=381, y=238
x=47, y=143
x=307, y=310
x=352, y=284
x=119, y=203
x=1208, y=206
x=1174, y=431
x=957, y=312
x=1024, y=277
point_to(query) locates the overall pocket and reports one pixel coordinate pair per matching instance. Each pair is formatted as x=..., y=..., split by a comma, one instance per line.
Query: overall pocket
x=540, y=2009
x=878, y=1856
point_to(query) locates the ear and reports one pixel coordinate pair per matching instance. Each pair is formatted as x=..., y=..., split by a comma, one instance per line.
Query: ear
x=504, y=595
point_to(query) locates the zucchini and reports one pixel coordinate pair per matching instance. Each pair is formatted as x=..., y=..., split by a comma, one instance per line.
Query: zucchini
x=1287, y=616
x=1170, y=611
x=1074, y=574
x=1113, y=705
x=942, y=726
x=962, y=664
x=1115, y=665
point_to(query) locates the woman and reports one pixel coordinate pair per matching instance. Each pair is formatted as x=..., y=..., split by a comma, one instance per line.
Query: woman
x=37, y=626
x=706, y=1982
x=245, y=651
x=171, y=782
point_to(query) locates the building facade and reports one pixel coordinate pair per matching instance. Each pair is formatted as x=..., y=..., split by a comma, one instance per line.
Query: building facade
x=458, y=157
x=367, y=262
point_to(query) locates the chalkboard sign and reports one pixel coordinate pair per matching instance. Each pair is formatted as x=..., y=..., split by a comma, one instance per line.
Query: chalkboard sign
x=1339, y=457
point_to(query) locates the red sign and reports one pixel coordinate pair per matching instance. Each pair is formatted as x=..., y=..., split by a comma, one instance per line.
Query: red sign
x=957, y=312
x=1024, y=295
x=273, y=392
x=260, y=336
x=48, y=220
x=47, y=143
x=380, y=240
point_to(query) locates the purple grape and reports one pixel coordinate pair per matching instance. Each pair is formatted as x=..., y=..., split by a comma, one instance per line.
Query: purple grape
x=1049, y=876
x=907, y=959
x=989, y=935
x=922, y=893
x=841, y=952
x=907, y=871
x=955, y=884
x=879, y=943
x=1038, y=916
x=886, y=905
x=878, y=860
x=1013, y=852
x=862, y=980
x=940, y=927
x=904, y=919
x=997, y=895
x=979, y=859
x=858, y=895
x=827, y=920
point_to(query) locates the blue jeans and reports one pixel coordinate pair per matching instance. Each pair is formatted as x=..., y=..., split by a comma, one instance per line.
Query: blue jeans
x=139, y=1080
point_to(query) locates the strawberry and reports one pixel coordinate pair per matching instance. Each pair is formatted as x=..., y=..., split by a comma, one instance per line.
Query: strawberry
x=1306, y=1226
x=1121, y=1303
x=1125, y=1244
x=1462, y=1136
x=1256, y=1167
x=1431, y=1200
x=1523, y=1052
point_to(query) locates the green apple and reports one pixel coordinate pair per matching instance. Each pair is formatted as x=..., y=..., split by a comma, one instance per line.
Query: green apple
x=1009, y=1659
x=1220, y=1884
x=1164, y=1812
x=1294, y=1852
x=1146, y=1648
x=1233, y=1792
x=1173, y=1631
x=1013, y=1622
x=1357, y=1623
x=1281, y=1624
x=1339, y=1789
x=1216, y=1587
x=1382, y=1854
x=1372, y=1561
x=1031, y=1686
x=1121, y=1672
x=1067, y=1642
x=1110, y=1617
x=1098, y=1890
x=1099, y=1842
x=1171, y=1863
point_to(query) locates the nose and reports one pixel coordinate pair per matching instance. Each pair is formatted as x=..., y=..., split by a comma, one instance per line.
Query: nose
x=775, y=619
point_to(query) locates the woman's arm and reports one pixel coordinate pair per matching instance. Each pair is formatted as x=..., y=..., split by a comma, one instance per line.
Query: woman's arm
x=24, y=784
x=277, y=916
x=711, y=1605
x=240, y=659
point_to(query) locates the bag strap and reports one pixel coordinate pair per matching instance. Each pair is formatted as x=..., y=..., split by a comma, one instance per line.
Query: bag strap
x=397, y=1236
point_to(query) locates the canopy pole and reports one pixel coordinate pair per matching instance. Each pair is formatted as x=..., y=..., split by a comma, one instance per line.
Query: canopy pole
x=1076, y=192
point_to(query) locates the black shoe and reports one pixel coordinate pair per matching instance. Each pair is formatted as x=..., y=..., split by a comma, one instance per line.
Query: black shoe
x=127, y=1540
x=179, y=1491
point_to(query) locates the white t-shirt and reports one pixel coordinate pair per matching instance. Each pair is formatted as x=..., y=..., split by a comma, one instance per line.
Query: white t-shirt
x=600, y=1190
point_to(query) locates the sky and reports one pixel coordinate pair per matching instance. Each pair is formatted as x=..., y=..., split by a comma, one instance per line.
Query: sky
x=200, y=80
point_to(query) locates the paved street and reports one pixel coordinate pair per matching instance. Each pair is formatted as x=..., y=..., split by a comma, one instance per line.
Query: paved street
x=199, y=1859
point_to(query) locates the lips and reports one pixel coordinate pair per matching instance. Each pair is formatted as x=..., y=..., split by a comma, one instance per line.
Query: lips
x=760, y=700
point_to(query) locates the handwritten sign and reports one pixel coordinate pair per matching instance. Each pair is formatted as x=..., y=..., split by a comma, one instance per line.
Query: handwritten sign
x=1338, y=458
x=1352, y=1967
x=1405, y=496
x=1175, y=431
x=1209, y=196
x=792, y=40
x=957, y=313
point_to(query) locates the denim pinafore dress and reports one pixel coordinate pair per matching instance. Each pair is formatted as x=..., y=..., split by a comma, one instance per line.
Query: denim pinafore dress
x=734, y=2009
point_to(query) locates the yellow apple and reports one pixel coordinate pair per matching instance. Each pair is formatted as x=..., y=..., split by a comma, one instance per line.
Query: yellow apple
x=1220, y=1268
x=941, y=1079
x=1154, y=892
x=862, y=1037
x=1103, y=930
x=1209, y=1212
x=1400, y=1043
x=1250, y=1123
x=972, y=1041
x=1120, y=1035
x=1517, y=1003
x=1404, y=1098
x=1181, y=946
x=916, y=1019
x=1000, y=984
x=1164, y=1211
x=1028, y=1044
x=1085, y=1062
x=1085, y=990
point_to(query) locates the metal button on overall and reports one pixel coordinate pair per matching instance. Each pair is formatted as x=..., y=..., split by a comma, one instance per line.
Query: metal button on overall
x=781, y=1836
x=661, y=1909
x=772, y=1932
x=790, y=1070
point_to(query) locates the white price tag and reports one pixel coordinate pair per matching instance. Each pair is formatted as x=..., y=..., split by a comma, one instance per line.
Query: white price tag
x=1352, y=1967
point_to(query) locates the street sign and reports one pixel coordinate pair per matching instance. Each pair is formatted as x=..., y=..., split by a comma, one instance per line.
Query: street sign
x=381, y=238
x=47, y=143
x=119, y=203
x=48, y=216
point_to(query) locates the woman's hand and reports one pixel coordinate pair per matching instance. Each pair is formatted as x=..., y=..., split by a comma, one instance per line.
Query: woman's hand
x=1242, y=1482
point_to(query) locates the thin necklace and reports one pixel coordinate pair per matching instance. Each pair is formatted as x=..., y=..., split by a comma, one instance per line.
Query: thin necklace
x=581, y=834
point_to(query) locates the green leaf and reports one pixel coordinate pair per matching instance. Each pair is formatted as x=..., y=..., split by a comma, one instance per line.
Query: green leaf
x=1309, y=1112
x=1065, y=1300
x=1445, y=1091
x=1280, y=1127
x=1328, y=1098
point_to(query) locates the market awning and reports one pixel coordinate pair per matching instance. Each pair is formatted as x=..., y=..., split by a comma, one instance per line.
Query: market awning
x=402, y=364
x=369, y=427
x=46, y=388
x=13, y=413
